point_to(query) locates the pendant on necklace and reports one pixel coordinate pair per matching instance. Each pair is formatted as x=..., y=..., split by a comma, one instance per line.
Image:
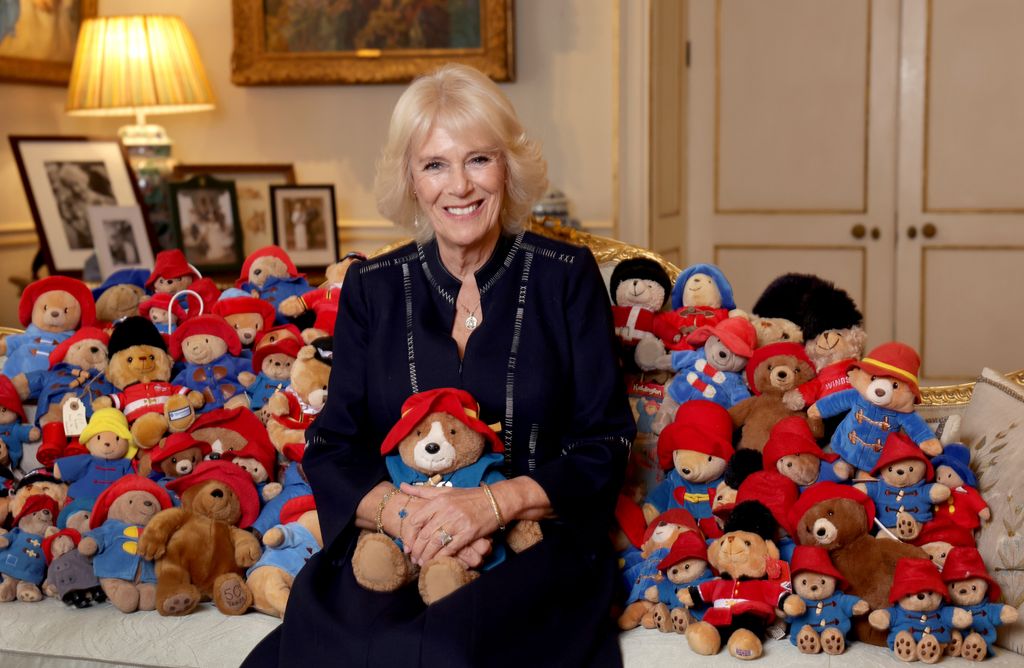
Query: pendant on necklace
x=471, y=322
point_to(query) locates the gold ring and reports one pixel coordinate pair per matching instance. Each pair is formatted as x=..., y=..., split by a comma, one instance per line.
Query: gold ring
x=445, y=537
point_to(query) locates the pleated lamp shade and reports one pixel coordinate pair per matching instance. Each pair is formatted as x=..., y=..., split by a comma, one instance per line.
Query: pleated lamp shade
x=135, y=65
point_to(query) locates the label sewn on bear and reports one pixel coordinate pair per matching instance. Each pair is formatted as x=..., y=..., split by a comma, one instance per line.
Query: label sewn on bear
x=73, y=415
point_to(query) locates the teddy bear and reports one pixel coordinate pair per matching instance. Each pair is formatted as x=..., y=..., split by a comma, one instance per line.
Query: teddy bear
x=15, y=429
x=903, y=493
x=209, y=349
x=36, y=481
x=792, y=451
x=273, y=367
x=701, y=296
x=694, y=450
x=839, y=519
x=177, y=455
x=164, y=311
x=278, y=333
x=686, y=565
x=771, y=372
x=920, y=626
x=881, y=400
x=140, y=368
x=111, y=451
x=200, y=549
x=439, y=441
x=50, y=309
x=69, y=573
x=640, y=289
x=76, y=374
x=123, y=513
x=938, y=540
x=289, y=545
x=171, y=273
x=229, y=429
x=660, y=535
x=964, y=507
x=714, y=372
x=22, y=562
x=120, y=294
x=971, y=588
x=292, y=410
x=259, y=460
x=247, y=315
x=824, y=625
x=748, y=589
x=323, y=301
x=293, y=484
x=270, y=274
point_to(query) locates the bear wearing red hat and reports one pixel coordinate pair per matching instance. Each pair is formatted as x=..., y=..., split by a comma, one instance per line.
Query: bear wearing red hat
x=694, y=451
x=270, y=274
x=712, y=372
x=259, y=460
x=15, y=429
x=248, y=316
x=827, y=620
x=685, y=566
x=50, y=309
x=920, y=626
x=171, y=272
x=881, y=402
x=272, y=365
x=792, y=451
x=903, y=493
x=200, y=548
x=164, y=311
x=938, y=540
x=22, y=562
x=440, y=441
x=289, y=545
x=973, y=589
x=209, y=350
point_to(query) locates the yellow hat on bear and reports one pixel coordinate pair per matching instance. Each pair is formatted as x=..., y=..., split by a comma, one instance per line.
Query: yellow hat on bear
x=109, y=419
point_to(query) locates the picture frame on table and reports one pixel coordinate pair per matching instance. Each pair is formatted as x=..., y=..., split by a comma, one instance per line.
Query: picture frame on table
x=204, y=214
x=38, y=39
x=306, y=224
x=121, y=237
x=286, y=43
x=63, y=177
x=252, y=189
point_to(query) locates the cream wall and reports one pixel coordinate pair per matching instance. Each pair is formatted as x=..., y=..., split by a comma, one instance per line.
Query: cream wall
x=565, y=92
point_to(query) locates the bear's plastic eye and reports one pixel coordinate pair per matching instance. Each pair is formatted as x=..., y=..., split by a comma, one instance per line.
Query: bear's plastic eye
x=152, y=357
x=803, y=582
x=686, y=567
x=830, y=513
x=129, y=360
x=417, y=432
x=874, y=378
x=942, y=556
x=174, y=460
x=890, y=469
x=747, y=543
x=709, y=458
x=785, y=336
x=789, y=465
x=974, y=587
x=67, y=310
x=895, y=386
x=910, y=469
x=453, y=432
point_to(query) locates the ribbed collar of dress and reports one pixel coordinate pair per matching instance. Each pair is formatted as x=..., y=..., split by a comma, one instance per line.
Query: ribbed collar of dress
x=486, y=276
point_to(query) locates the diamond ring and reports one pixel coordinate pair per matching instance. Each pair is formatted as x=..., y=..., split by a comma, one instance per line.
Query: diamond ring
x=444, y=537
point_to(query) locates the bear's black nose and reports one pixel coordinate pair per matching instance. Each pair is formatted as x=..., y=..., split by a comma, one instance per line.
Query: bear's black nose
x=963, y=591
x=258, y=272
x=814, y=587
x=723, y=354
x=148, y=504
x=820, y=531
x=94, y=350
x=920, y=597
x=686, y=471
x=899, y=471
x=782, y=374
x=216, y=494
x=432, y=448
x=54, y=314
x=879, y=392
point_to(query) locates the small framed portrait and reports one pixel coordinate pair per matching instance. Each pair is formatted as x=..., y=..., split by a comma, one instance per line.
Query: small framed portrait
x=252, y=187
x=63, y=177
x=204, y=211
x=121, y=237
x=305, y=224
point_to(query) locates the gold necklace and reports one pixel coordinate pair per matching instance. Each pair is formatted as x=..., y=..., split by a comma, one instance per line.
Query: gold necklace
x=471, y=321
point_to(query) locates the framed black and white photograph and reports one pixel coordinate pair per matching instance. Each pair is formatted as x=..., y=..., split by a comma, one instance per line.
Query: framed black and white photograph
x=63, y=177
x=305, y=224
x=204, y=211
x=121, y=237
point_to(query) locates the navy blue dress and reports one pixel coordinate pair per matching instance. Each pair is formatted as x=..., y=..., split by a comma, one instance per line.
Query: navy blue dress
x=543, y=364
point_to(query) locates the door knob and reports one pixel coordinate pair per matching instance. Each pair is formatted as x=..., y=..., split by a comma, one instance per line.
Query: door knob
x=875, y=233
x=858, y=231
x=912, y=232
x=928, y=230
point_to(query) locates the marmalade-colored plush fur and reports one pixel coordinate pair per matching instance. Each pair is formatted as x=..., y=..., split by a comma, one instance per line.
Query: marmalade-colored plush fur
x=308, y=380
x=198, y=551
x=756, y=416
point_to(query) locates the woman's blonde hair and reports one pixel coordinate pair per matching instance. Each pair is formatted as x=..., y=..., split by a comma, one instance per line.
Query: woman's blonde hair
x=459, y=99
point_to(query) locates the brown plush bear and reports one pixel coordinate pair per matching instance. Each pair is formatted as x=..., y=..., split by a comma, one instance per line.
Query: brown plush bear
x=775, y=330
x=323, y=301
x=289, y=545
x=247, y=315
x=772, y=371
x=440, y=441
x=36, y=482
x=122, y=513
x=171, y=273
x=119, y=301
x=823, y=627
x=295, y=408
x=229, y=429
x=22, y=562
x=838, y=518
x=178, y=454
x=200, y=548
x=973, y=589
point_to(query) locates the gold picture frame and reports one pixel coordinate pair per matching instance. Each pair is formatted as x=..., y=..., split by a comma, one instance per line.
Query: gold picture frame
x=270, y=49
x=43, y=58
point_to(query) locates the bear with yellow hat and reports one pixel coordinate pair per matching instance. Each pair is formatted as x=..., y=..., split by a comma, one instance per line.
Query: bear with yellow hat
x=111, y=449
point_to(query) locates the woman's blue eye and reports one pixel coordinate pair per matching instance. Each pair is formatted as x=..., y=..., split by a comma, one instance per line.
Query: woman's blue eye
x=481, y=160
x=433, y=164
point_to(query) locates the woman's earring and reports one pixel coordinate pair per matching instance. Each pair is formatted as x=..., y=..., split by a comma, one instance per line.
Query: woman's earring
x=416, y=220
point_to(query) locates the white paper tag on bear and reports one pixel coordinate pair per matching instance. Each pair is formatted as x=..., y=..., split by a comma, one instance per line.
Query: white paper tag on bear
x=74, y=417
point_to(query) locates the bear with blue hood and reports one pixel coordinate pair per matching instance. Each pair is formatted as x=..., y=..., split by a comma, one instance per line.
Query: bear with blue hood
x=119, y=296
x=701, y=297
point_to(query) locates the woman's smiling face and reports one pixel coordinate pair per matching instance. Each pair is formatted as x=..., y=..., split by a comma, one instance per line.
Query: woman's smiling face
x=460, y=184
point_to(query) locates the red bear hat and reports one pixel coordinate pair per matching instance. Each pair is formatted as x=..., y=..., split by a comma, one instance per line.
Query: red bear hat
x=233, y=476
x=814, y=559
x=915, y=576
x=34, y=504
x=736, y=333
x=771, y=350
x=171, y=264
x=894, y=360
x=690, y=545
x=823, y=491
x=284, y=332
x=240, y=420
x=72, y=286
x=176, y=443
x=236, y=305
x=792, y=436
x=214, y=325
x=964, y=563
x=680, y=516
x=61, y=351
x=75, y=537
x=457, y=403
x=266, y=251
x=265, y=455
x=294, y=508
x=9, y=398
x=700, y=425
x=123, y=485
x=631, y=521
x=898, y=447
x=162, y=300
x=955, y=535
x=289, y=347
